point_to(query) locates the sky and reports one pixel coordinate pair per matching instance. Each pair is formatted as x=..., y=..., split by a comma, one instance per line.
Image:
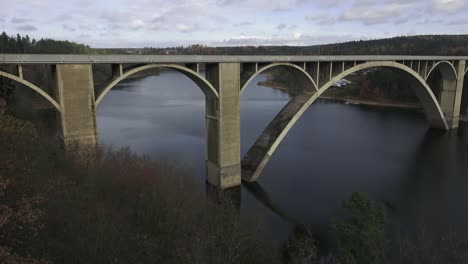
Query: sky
x=164, y=23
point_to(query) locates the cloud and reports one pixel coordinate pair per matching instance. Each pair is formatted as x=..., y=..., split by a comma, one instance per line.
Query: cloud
x=458, y=22
x=137, y=24
x=68, y=28
x=321, y=18
x=115, y=19
x=429, y=21
x=331, y=3
x=224, y=2
x=244, y=24
x=184, y=18
x=447, y=6
x=26, y=28
x=291, y=39
x=84, y=27
x=271, y=5
x=16, y=20
x=375, y=14
x=186, y=28
x=259, y=22
x=281, y=27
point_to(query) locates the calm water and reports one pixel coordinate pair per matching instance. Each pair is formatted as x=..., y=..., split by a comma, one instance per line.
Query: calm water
x=333, y=150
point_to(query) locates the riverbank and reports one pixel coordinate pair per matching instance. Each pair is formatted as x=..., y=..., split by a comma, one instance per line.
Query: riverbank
x=359, y=101
x=143, y=74
x=355, y=101
x=273, y=85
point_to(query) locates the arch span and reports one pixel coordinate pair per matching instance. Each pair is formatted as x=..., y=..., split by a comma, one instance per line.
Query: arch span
x=299, y=74
x=204, y=85
x=447, y=69
x=259, y=154
x=33, y=87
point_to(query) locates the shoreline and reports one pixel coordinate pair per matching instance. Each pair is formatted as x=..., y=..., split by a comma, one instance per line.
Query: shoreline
x=138, y=75
x=354, y=101
x=272, y=85
x=372, y=103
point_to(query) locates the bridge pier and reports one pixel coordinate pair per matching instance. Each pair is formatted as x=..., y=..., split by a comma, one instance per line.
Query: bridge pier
x=75, y=91
x=458, y=94
x=451, y=95
x=223, y=126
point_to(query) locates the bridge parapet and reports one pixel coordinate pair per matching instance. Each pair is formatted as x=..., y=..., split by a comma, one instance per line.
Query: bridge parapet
x=183, y=59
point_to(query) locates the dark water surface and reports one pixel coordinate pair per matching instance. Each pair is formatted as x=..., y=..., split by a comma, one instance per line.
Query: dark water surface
x=332, y=151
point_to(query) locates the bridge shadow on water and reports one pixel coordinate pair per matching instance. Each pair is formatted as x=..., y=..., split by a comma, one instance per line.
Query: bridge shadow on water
x=429, y=196
x=298, y=228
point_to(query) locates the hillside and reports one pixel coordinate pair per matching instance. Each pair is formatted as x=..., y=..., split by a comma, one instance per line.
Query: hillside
x=455, y=45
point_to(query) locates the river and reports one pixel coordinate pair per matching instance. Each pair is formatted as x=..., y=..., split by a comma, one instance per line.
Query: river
x=335, y=149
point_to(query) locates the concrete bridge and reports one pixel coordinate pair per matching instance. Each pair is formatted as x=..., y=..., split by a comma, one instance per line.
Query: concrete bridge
x=225, y=78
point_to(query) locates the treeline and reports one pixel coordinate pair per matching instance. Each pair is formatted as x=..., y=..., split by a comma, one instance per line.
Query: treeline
x=24, y=45
x=387, y=84
x=443, y=45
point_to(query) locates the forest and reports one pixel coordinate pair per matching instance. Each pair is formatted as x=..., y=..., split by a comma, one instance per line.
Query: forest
x=25, y=45
x=443, y=45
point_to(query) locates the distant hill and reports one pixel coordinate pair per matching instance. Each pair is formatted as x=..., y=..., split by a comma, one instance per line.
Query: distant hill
x=455, y=45
x=410, y=45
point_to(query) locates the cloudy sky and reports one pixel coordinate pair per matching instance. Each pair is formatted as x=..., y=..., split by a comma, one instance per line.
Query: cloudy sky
x=139, y=23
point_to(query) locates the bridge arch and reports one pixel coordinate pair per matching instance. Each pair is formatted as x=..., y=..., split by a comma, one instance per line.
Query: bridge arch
x=259, y=154
x=204, y=85
x=447, y=69
x=299, y=74
x=33, y=87
x=447, y=78
x=464, y=99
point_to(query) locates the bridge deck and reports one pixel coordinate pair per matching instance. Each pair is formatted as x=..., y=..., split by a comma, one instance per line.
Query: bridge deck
x=78, y=58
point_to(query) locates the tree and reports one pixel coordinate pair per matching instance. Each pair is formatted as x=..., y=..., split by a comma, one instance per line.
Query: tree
x=361, y=236
x=300, y=248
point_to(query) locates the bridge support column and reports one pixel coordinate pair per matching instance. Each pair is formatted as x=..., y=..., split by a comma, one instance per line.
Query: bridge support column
x=458, y=94
x=75, y=89
x=450, y=97
x=223, y=126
